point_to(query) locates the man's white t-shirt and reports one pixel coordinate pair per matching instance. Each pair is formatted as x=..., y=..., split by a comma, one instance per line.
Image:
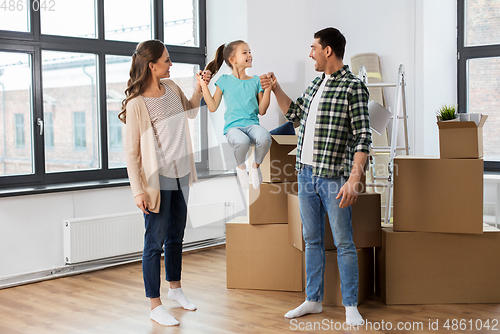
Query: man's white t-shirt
x=306, y=154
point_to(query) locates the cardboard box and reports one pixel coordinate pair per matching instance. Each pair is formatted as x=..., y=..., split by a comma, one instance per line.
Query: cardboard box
x=268, y=204
x=366, y=223
x=438, y=268
x=461, y=139
x=278, y=166
x=332, y=293
x=438, y=195
x=260, y=257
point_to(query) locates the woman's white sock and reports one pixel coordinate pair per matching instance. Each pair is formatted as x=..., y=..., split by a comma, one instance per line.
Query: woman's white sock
x=352, y=316
x=306, y=307
x=178, y=296
x=256, y=177
x=243, y=177
x=161, y=316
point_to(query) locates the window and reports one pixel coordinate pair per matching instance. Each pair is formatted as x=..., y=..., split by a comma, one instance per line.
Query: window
x=61, y=89
x=479, y=70
x=19, y=130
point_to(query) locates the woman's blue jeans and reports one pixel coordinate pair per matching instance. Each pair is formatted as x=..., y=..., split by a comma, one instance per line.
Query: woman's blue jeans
x=316, y=197
x=241, y=138
x=165, y=229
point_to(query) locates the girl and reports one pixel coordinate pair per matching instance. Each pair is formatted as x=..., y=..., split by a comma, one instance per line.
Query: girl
x=245, y=99
x=160, y=167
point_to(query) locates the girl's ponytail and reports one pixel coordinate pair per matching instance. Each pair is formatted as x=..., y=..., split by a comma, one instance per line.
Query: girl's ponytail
x=216, y=64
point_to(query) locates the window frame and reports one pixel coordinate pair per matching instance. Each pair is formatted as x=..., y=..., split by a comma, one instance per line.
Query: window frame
x=464, y=54
x=34, y=42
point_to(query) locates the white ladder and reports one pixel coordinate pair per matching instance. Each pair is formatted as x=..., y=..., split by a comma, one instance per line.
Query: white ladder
x=399, y=112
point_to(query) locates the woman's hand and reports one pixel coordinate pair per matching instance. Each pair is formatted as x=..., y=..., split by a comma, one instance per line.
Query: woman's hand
x=140, y=201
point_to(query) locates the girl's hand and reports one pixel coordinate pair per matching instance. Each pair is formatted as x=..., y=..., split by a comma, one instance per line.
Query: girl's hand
x=140, y=201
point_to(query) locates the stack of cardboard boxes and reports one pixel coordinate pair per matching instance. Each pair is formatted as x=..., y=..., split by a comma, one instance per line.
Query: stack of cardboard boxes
x=258, y=255
x=266, y=250
x=438, y=250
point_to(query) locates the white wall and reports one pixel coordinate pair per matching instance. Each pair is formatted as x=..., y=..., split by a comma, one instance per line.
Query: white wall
x=226, y=22
x=31, y=237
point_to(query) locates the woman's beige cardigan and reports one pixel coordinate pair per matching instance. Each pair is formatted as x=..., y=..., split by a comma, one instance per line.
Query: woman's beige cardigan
x=142, y=167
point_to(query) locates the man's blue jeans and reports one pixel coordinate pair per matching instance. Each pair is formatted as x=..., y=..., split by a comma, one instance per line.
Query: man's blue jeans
x=165, y=228
x=316, y=197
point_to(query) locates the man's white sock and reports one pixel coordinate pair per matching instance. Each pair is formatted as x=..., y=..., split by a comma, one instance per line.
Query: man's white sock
x=352, y=316
x=178, y=296
x=306, y=307
x=161, y=316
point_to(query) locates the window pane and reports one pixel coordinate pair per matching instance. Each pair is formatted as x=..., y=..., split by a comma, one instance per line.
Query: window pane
x=130, y=23
x=19, y=125
x=70, y=95
x=79, y=132
x=68, y=18
x=483, y=89
x=14, y=16
x=117, y=75
x=49, y=131
x=185, y=76
x=16, y=141
x=482, y=22
x=181, y=22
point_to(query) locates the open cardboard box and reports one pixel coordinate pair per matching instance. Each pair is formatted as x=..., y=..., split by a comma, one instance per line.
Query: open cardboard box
x=278, y=166
x=459, y=140
x=438, y=268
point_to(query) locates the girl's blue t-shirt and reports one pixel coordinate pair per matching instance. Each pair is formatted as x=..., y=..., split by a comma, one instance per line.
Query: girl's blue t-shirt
x=241, y=100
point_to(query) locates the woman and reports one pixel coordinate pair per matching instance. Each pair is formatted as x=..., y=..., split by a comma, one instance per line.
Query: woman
x=160, y=166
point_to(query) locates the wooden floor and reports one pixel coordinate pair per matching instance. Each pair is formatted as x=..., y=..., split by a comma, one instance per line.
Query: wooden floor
x=112, y=301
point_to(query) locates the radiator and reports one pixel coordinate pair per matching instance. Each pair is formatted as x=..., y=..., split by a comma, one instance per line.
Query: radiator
x=100, y=237
x=92, y=238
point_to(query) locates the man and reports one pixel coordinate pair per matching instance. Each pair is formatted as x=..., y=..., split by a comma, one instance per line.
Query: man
x=333, y=143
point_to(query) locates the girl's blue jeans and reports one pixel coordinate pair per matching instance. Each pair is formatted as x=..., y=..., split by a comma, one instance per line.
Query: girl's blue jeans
x=165, y=229
x=241, y=138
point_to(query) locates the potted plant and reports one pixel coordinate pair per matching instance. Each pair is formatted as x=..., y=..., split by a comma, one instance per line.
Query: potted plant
x=447, y=113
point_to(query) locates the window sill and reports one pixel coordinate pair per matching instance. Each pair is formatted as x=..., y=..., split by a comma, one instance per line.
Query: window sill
x=87, y=185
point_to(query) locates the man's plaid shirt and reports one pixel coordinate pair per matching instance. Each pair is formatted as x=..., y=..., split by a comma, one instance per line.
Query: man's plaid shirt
x=342, y=124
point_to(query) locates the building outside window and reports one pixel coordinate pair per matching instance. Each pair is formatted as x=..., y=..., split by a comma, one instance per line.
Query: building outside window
x=79, y=130
x=19, y=118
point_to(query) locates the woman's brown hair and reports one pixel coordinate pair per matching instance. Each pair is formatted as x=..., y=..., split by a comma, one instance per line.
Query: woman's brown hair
x=223, y=53
x=145, y=53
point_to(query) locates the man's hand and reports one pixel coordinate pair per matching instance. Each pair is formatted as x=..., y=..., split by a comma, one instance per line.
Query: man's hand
x=348, y=193
x=140, y=201
x=268, y=80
